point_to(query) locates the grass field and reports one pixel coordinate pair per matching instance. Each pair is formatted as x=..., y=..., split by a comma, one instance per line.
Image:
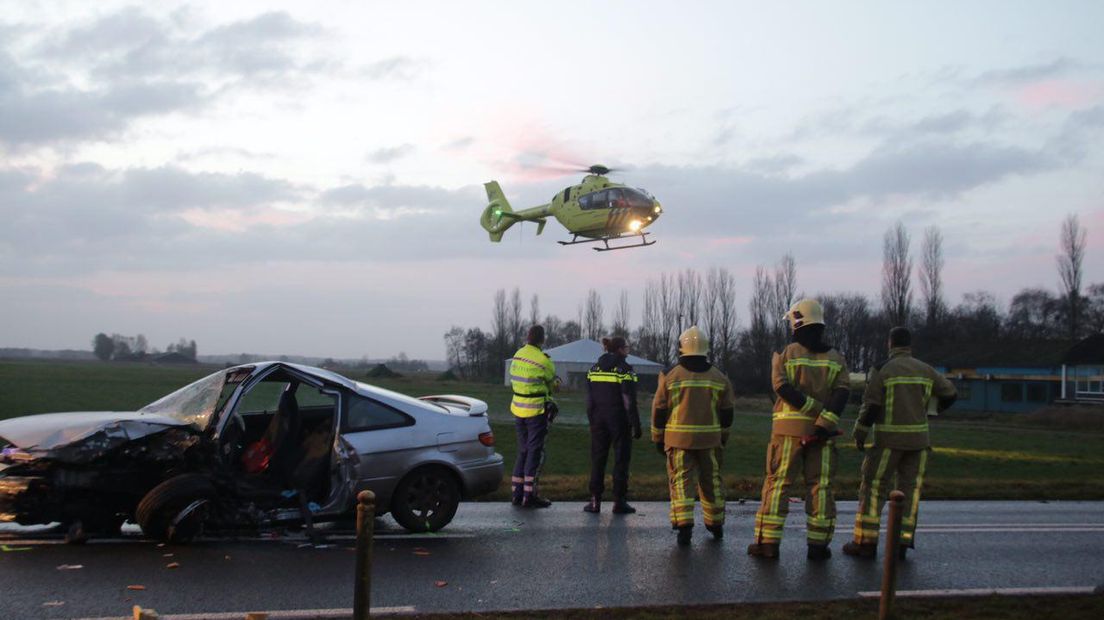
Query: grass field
x=980, y=459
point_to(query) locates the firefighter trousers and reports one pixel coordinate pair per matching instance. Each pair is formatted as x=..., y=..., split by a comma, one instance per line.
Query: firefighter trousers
x=786, y=460
x=610, y=430
x=682, y=465
x=880, y=466
x=530, y=455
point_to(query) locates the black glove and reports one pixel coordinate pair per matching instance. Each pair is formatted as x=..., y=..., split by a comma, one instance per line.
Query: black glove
x=662, y=449
x=822, y=433
x=552, y=410
x=636, y=431
x=860, y=439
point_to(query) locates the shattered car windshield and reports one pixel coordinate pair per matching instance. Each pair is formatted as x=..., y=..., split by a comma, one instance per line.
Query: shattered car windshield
x=196, y=402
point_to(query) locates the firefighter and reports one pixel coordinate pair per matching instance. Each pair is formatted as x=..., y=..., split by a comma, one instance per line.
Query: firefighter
x=895, y=404
x=691, y=415
x=612, y=413
x=811, y=381
x=532, y=378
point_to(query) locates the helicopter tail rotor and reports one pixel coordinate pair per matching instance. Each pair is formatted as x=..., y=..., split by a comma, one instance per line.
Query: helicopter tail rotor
x=495, y=219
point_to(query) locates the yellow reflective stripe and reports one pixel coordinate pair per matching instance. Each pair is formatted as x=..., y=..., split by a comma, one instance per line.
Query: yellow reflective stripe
x=825, y=479
x=694, y=428
x=790, y=415
x=903, y=428
x=678, y=385
x=594, y=377
x=876, y=483
x=916, y=491
x=804, y=361
x=893, y=382
x=813, y=535
x=772, y=520
x=831, y=417
x=810, y=402
x=781, y=475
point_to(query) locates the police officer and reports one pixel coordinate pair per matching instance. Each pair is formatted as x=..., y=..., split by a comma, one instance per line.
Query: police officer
x=612, y=412
x=812, y=384
x=691, y=414
x=532, y=378
x=895, y=403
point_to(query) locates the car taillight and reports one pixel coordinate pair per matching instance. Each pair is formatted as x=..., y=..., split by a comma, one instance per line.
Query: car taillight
x=487, y=439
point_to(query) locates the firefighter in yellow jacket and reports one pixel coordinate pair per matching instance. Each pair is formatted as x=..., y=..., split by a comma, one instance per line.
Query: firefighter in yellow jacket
x=532, y=378
x=812, y=384
x=691, y=414
x=895, y=404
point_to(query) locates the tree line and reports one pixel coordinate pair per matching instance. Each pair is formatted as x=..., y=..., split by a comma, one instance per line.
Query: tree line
x=120, y=348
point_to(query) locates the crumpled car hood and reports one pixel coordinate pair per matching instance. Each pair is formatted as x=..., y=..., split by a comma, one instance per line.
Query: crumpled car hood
x=49, y=431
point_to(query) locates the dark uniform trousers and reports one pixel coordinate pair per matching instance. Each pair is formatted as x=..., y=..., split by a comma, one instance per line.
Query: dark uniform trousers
x=530, y=455
x=609, y=429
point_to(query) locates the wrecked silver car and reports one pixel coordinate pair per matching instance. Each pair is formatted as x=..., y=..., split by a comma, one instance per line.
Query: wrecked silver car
x=251, y=446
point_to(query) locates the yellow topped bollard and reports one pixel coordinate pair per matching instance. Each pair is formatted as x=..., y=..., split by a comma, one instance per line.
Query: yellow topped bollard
x=362, y=588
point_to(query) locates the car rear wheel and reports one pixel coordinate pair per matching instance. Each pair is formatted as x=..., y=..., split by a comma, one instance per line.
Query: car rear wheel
x=426, y=499
x=174, y=510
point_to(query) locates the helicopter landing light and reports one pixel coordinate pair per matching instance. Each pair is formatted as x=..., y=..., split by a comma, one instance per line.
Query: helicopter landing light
x=657, y=209
x=634, y=225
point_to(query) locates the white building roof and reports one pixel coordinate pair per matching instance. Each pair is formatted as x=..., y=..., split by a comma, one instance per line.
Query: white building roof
x=587, y=351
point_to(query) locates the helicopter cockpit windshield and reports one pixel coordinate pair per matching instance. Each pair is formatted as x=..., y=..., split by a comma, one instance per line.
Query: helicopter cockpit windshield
x=617, y=198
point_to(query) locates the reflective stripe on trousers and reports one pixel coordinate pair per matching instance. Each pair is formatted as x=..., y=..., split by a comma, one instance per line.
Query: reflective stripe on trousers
x=880, y=466
x=681, y=466
x=786, y=460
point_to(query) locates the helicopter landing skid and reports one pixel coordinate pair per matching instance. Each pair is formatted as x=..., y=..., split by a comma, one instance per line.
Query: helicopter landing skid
x=605, y=242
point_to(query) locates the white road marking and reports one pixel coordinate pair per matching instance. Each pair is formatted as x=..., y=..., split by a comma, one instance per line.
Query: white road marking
x=283, y=614
x=986, y=592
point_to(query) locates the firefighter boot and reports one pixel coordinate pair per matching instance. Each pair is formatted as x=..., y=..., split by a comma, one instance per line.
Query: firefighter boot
x=594, y=505
x=622, y=507
x=716, y=530
x=535, y=501
x=861, y=550
x=763, y=550
x=818, y=553
x=684, y=534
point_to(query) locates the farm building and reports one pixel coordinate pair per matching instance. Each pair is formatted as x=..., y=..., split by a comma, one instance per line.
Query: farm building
x=1021, y=376
x=574, y=359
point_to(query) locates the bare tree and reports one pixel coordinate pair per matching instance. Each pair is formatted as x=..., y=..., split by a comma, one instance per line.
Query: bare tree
x=516, y=331
x=896, y=272
x=454, y=347
x=1072, y=247
x=667, y=340
x=719, y=314
x=759, y=337
x=592, y=316
x=850, y=327
x=689, y=298
x=931, y=277
x=782, y=295
x=647, y=335
x=620, y=325
x=534, y=312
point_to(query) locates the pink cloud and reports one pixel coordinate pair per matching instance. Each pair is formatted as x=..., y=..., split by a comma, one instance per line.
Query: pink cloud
x=232, y=220
x=1059, y=93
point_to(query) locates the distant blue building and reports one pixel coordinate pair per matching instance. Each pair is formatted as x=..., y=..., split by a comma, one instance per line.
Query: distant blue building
x=1022, y=376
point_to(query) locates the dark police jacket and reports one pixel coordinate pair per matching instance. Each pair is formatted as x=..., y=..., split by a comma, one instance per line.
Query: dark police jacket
x=611, y=389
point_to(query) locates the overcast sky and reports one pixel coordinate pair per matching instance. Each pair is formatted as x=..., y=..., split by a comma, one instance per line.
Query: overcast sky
x=275, y=178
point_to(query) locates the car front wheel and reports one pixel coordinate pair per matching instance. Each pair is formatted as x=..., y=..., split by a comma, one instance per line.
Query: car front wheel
x=174, y=510
x=426, y=500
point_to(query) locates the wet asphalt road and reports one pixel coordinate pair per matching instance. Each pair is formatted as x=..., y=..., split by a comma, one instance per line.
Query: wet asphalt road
x=496, y=557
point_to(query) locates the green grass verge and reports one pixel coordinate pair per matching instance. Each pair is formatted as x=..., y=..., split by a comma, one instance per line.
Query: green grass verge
x=992, y=459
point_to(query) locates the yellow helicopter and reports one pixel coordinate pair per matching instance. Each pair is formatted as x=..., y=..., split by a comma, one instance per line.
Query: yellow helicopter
x=594, y=211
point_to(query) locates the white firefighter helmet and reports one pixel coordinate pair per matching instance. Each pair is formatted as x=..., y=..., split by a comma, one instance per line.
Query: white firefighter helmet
x=693, y=341
x=805, y=312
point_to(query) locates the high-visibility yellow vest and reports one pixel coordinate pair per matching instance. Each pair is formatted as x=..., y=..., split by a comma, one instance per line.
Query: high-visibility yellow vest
x=531, y=377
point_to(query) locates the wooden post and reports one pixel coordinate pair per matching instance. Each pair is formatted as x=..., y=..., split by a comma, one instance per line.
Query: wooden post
x=893, y=540
x=362, y=590
x=144, y=614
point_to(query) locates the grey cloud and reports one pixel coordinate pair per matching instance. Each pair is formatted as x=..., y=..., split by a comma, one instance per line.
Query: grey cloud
x=389, y=154
x=401, y=68
x=1028, y=73
x=117, y=33
x=460, y=144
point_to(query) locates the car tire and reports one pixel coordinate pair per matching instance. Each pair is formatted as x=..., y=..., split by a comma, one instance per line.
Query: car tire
x=164, y=503
x=426, y=499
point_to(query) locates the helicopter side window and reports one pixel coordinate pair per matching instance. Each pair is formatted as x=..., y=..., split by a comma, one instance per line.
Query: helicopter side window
x=616, y=199
x=567, y=194
x=597, y=200
x=637, y=199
